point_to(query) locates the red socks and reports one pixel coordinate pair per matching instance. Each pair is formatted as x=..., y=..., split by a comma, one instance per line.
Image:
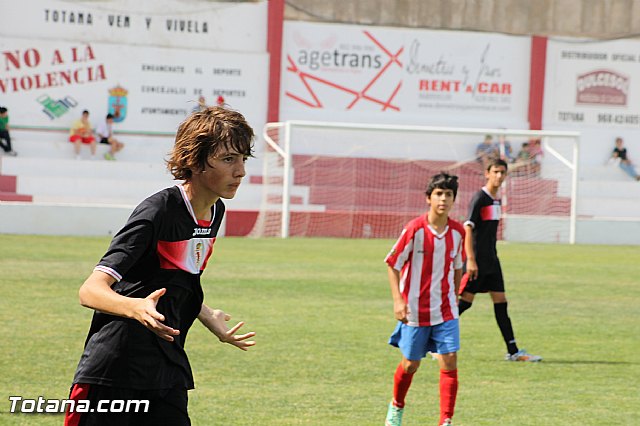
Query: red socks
x=448, y=392
x=401, y=383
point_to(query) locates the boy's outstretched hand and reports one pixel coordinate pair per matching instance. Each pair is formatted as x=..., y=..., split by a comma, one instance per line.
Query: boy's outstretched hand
x=216, y=321
x=147, y=314
x=96, y=293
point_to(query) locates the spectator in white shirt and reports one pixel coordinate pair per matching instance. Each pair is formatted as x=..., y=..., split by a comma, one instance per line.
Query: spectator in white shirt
x=105, y=135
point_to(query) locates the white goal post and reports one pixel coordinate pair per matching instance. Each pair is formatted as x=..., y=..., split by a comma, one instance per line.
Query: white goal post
x=359, y=180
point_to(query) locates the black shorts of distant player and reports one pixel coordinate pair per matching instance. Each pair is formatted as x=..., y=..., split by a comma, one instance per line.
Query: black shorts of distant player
x=484, y=283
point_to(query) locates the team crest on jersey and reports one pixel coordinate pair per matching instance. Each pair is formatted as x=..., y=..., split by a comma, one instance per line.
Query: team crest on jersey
x=201, y=231
x=198, y=254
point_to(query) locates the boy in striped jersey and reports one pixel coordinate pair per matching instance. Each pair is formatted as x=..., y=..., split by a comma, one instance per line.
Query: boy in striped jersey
x=425, y=268
x=484, y=273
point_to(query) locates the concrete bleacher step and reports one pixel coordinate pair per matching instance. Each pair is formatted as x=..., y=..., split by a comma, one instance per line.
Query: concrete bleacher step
x=146, y=149
x=96, y=188
x=12, y=196
x=50, y=154
x=55, y=144
x=611, y=207
x=610, y=189
x=604, y=172
x=24, y=166
x=608, y=192
x=69, y=181
x=65, y=190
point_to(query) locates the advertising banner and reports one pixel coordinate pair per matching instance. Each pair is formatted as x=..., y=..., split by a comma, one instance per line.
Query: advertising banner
x=404, y=76
x=148, y=89
x=195, y=24
x=593, y=84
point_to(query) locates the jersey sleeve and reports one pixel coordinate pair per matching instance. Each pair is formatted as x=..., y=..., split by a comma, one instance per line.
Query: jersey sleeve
x=132, y=242
x=459, y=260
x=458, y=233
x=401, y=250
x=473, y=217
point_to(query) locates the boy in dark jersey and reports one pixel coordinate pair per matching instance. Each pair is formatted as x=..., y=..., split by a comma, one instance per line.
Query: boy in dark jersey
x=484, y=273
x=146, y=289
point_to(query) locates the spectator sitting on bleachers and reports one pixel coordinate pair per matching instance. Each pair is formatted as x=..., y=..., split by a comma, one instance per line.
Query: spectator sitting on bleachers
x=524, y=155
x=486, y=151
x=620, y=154
x=4, y=133
x=504, y=147
x=81, y=132
x=527, y=160
x=201, y=105
x=105, y=135
x=535, y=151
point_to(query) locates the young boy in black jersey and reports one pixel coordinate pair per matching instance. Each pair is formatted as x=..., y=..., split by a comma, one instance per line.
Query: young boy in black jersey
x=146, y=289
x=483, y=271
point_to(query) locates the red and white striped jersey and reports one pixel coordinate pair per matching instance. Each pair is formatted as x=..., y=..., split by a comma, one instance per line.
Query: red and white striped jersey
x=426, y=262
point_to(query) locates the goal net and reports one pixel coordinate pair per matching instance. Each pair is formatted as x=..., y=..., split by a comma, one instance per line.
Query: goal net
x=367, y=181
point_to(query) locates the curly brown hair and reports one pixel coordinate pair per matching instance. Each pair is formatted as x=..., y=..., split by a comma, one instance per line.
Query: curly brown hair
x=203, y=134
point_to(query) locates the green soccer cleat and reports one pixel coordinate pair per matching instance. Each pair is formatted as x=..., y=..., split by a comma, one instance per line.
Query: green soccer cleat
x=394, y=415
x=523, y=356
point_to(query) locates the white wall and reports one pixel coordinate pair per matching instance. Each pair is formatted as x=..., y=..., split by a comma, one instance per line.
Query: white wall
x=594, y=87
x=193, y=24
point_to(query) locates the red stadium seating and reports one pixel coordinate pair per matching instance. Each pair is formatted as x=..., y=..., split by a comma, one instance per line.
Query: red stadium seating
x=366, y=197
x=8, y=190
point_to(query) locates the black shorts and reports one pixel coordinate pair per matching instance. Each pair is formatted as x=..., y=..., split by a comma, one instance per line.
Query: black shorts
x=165, y=406
x=104, y=140
x=484, y=283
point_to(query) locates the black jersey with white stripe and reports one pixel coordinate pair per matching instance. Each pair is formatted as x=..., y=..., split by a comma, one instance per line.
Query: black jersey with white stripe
x=484, y=217
x=162, y=245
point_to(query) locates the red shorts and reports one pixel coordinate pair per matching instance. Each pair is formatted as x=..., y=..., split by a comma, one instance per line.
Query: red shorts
x=84, y=139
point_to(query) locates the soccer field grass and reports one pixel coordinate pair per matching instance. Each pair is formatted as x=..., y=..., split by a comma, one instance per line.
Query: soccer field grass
x=322, y=312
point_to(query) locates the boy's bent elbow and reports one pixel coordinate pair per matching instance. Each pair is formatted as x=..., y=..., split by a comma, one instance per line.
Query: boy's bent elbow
x=87, y=296
x=94, y=290
x=83, y=296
